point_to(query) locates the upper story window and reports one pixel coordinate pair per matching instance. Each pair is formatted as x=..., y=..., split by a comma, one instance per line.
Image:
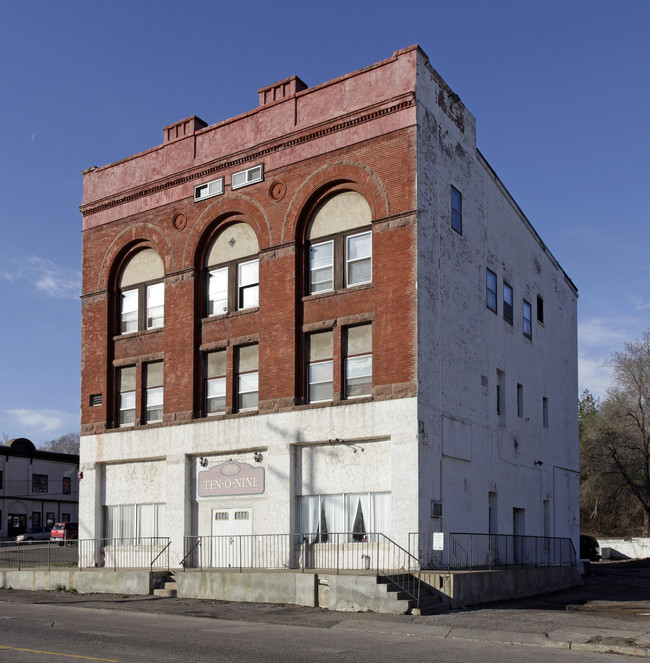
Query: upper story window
x=320, y=373
x=457, y=210
x=126, y=395
x=142, y=293
x=154, y=391
x=507, y=302
x=540, y=309
x=247, y=377
x=358, y=361
x=39, y=483
x=233, y=270
x=528, y=319
x=340, y=243
x=491, y=290
x=208, y=190
x=246, y=177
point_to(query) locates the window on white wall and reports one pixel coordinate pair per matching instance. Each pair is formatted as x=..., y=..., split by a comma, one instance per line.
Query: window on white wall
x=528, y=320
x=456, y=210
x=491, y=290
x=507, y=303
x=344, y=517
x=130, y=522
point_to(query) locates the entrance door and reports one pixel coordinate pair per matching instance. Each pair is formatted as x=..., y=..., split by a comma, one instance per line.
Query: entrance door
x=232, y=531
x=16, y=524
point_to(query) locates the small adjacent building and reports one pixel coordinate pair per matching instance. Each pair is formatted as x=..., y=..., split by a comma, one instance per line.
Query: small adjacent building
x=325, y=315
x=37, y=488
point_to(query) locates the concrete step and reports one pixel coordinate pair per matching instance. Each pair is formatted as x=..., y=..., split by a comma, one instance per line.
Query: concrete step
x=165, y=585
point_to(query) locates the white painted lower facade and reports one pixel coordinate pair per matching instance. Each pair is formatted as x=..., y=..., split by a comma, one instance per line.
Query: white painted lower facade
x=370, y=448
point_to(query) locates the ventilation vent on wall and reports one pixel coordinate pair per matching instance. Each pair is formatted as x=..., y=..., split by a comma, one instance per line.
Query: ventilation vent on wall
x=484, y=381
x=436, y=509
x=95, y=399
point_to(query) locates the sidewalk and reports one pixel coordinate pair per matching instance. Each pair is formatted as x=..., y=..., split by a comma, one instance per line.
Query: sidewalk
x=609, y=613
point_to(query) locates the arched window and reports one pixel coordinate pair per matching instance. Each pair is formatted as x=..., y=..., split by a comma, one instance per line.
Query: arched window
x=233, y=270
x=142, y=293
x=340, y=243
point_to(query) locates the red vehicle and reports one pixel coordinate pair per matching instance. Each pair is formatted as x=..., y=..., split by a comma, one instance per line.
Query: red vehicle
x=63, y=532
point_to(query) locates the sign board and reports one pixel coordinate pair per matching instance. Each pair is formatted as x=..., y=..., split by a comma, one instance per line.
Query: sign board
x=438, y=540
x=231, y=478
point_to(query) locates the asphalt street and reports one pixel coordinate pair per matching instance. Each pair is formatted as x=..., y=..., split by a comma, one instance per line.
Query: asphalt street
x=610, y=613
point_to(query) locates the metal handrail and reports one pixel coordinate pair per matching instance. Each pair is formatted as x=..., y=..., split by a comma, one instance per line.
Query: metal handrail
x=169, y=542
x=395, y=577
x=192, y=549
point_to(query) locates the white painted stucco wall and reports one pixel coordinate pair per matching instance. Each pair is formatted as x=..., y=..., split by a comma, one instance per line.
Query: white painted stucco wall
x=466, y=450
x=162, y=465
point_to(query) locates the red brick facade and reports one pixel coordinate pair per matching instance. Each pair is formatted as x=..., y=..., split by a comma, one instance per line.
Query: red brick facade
x=370, y=150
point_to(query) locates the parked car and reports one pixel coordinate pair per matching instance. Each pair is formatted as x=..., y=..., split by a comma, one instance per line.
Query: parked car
x=589, y=548
x=63, y=532
x=35, y=534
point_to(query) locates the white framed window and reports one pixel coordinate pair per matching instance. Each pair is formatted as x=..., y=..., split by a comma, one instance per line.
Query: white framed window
x=358, y=361
x=155, y=305
x=215, y=383
x=208, y=190
x=321, y=267
x=154, y=392
x=218, y=291
x=233, y=270
x=248, y=176
x=142, y=293
x=247, y=377
x=248, y=284
x=491, y=290
x=129, y=312
x=528, y=320
x=359, y=259
x=320, y=369
x=126, y=396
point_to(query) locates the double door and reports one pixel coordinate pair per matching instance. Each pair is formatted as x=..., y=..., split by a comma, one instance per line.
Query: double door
x=232, y=531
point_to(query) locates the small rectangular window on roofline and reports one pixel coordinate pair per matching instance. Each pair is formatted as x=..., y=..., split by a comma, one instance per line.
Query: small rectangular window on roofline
x=208, y=189
x=248, y=176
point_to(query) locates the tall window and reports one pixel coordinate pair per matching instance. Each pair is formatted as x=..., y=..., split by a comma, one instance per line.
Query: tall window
x=358, y=361
x=126, y=398
x=233, y=270
x=491, y=290
x=66, y=489
x=540, y=309
x=340, y=251
x=528, y=320
x=545, y=412
x=247, y=377
x=142, y=293
x=520, y=400
x=215, y=382
x=320, y=374
x=507, y=303
x=501, y=397
x=457, y=210
x=154, y=392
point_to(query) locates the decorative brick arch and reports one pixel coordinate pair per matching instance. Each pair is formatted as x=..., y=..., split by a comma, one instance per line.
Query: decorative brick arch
x=219, y=214
x=342, y=176
x=138, y=237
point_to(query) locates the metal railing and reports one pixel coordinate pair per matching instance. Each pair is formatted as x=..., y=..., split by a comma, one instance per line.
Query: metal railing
x=334, y=552
x=464, y=551
x=37, y=555
x=137, y=552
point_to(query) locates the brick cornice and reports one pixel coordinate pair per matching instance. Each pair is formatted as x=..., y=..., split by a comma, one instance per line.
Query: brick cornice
x=291, y=140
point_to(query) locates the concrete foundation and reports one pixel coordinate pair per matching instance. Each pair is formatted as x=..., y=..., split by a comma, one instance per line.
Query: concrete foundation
x=337, y=592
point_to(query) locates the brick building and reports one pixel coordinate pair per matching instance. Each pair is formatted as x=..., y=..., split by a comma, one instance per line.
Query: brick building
x=324, y=315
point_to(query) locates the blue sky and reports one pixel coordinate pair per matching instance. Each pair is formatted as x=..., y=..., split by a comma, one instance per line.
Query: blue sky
x=560, y=90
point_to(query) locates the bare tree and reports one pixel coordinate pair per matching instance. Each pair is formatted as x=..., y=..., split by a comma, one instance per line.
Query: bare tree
x=66, y=444
x=620, y=433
